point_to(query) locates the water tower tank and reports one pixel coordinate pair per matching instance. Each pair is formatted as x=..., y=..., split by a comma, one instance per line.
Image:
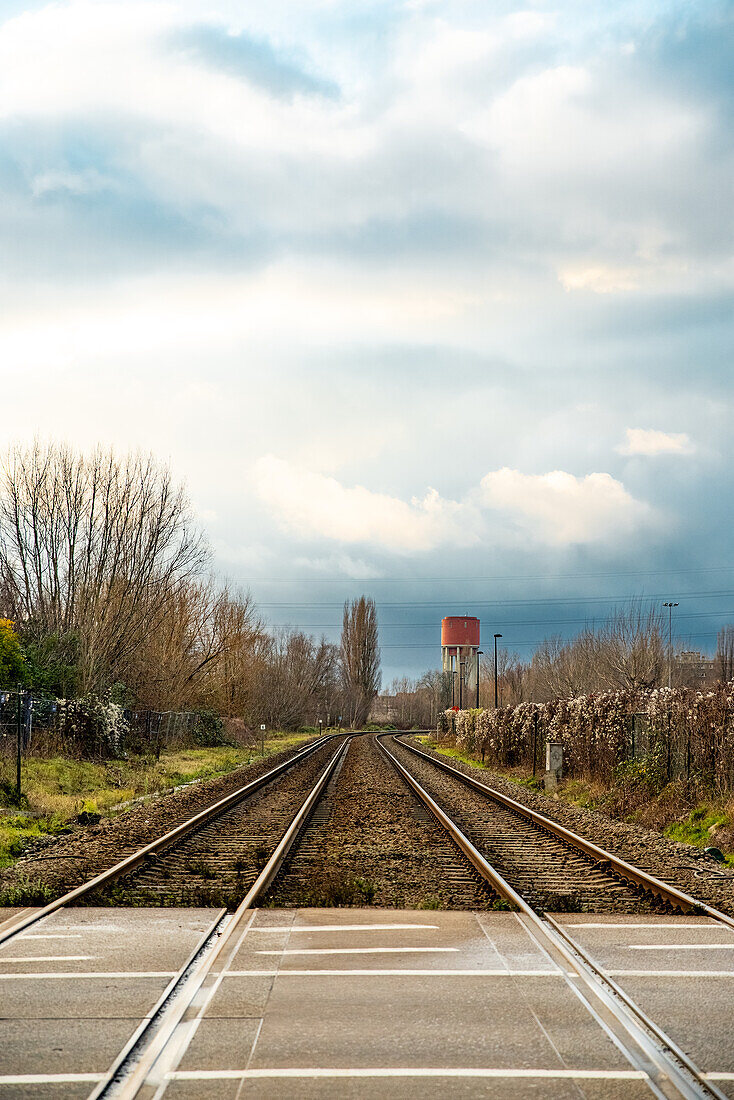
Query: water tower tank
x=460, y=630
x=460, y=657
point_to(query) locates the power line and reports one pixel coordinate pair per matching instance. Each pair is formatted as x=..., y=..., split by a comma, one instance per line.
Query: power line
x=340, y=577
x=512, y=644
x=433, y=624
x=636, y=598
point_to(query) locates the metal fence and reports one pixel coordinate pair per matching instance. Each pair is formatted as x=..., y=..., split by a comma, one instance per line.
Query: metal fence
x=687, y=736
x=40, y=725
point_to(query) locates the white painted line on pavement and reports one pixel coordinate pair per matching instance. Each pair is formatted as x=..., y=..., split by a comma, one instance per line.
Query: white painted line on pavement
x=564, y=1074
x=44, y=958
x=360, y=951
x=391, y=973
x=49, y=936
x=680, y=946
x=346, y=928
x=90, y=974
x=49, y=1078
x=670, y=973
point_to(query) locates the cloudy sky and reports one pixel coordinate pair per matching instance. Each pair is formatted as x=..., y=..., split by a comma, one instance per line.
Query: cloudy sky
x=431, y=300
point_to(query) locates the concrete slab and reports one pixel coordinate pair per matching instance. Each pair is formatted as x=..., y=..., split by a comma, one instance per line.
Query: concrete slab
x=50, y=998
x=341, y=1003
x=54, y=1020
x=358, y=989
x=215, y=1047
x=398, y=1021
x=109, y=940
x=61, y=1046
x=679, y=970
x=698, y=1019
x=54, y=1090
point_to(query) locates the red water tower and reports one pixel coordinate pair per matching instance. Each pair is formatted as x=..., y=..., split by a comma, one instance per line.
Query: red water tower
x=460, y=657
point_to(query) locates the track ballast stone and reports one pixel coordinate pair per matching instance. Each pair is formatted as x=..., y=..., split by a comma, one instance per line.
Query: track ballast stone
x=371, y=843
x=681, y=865
x=65, y=862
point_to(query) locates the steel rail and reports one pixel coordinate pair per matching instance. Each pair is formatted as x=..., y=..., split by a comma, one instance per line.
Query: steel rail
x=171, y=837
x=669, y=1073
x=204, y=941
x=634, y=875
x=167, y=1047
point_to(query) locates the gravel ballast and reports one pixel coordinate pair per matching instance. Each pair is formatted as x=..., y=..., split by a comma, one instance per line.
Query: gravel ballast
x=681, y=865
x=371, y=843
x=61, y=863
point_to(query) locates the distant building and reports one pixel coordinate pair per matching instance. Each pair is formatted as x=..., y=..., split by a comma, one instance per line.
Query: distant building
x=693, y=669
x=384, y=708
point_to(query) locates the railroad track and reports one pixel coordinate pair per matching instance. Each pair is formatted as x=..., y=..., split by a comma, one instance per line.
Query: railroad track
x=572, y=851
x=146, y=1065
x=136, y=879
x=371, y=841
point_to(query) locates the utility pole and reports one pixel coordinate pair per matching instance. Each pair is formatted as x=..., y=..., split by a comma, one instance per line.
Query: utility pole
x=479, y=654
x=496, y=693
x=670, y=607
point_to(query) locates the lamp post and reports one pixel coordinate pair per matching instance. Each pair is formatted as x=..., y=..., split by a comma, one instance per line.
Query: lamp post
x=670, y=607
x=496, y=694
x=479, y=654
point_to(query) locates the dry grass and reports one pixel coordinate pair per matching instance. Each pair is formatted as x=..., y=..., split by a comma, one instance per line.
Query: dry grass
x=56, y=789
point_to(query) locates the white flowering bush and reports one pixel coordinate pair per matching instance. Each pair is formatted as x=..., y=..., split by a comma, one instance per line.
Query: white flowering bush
x=691, y=733
x=94, y=725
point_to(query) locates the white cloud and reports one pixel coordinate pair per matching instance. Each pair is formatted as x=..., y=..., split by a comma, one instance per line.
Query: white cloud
x=313, y=505
x=87, y=182
x=598, y=278
x=555, y=508
x=560, y=508
x=648, y=441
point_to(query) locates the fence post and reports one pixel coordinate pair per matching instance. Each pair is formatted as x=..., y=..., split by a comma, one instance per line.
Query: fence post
x=667, y=768
x=158, y=739
x=19, y=745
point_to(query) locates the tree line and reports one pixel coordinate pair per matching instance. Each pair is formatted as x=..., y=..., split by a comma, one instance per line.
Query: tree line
x=628, y=651
x=107, y=590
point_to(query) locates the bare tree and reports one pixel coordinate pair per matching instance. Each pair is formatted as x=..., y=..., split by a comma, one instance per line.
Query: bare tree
x=630, y=648
x=96, y=547
x=297, y=680
x=360, y=658
x=559, y=669
x=725, y=654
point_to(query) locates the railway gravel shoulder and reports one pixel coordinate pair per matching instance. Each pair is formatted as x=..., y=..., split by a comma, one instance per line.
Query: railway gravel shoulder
x=681, y=865
x=547, y=873
x=370, y=842
x=219, y=862
x=64, y=862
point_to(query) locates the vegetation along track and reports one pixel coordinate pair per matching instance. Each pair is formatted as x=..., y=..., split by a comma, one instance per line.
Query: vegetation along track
x=549, y=873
